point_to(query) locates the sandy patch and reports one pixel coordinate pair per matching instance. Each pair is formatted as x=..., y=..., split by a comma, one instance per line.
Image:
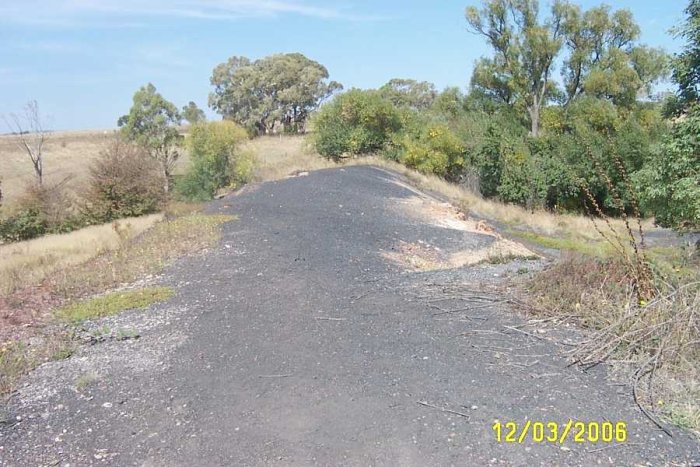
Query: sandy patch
x=422, y=256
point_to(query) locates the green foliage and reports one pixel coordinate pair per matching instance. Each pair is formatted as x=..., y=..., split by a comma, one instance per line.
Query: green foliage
x=24, y=224
x=355, y=122
x=152, y=124
x=686, y=65
x=213, y=148
x=42, y=209
x=193, y=114
x=279, y=89
x=124, y=182
x=520, y=72
x=434, y=149
x=601, y=57
x=417, y=95
x=670, y=181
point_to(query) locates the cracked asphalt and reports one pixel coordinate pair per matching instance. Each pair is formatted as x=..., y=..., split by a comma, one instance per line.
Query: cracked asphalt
x=296, y=342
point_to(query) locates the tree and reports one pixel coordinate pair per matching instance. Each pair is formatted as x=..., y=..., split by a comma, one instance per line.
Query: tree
x=214, y=154
x=604, y=61
x=686, y=65
x=671, y=179
x=520, y=73
x=602, y=58
x=30, y=136
x=417, y=95
x=355, y=122
x=279, y=89
x=152, y=124
x=193, y=114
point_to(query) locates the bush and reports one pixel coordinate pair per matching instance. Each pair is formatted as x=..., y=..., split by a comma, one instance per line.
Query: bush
x=42, y=209
x=124, y=182
x=356, y=122
x=434, y=149
x=215, y=160
x=24, y=224
x=670, y=181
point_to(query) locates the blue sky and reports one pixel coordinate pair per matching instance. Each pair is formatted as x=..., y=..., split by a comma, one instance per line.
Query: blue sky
x=82, y=60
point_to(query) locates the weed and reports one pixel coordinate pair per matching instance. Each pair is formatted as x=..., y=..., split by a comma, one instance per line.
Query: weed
x=126, y=334
x=113, y=303
x=85, y=380
x=593, y=248
x=147, y=254
x=15, y=359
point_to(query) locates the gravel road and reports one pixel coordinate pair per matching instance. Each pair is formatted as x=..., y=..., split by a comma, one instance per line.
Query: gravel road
x=299, y=341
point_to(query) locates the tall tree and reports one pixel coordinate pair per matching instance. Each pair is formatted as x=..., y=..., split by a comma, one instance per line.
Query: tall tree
x=671, y=180
x=604, y=59
x=418, y=95
x=152, y=124
x=686, y=65
x=30, y=136
x=193, y=114
x=525, y=49
x=279, y=89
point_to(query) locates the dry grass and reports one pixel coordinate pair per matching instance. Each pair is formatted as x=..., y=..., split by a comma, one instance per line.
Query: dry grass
x=66, y=155
x=655, y=345
x=28, y=263
x=279, y=157
x=145, y=255
x=28, y=332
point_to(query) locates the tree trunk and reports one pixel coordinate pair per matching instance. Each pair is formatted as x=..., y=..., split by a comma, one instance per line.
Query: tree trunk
x=534, y=112
x=166, y=177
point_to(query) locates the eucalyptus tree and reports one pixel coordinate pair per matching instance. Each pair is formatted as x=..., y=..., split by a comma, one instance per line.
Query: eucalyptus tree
x=152, y=123
x=279, y=89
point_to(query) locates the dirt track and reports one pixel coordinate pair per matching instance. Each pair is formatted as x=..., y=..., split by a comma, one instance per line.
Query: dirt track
x=313, y=336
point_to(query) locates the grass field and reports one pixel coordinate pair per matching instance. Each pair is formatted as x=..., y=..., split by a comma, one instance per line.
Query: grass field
x=67, y=155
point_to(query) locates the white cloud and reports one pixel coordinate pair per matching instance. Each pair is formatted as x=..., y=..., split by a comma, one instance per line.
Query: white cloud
x=100, y=13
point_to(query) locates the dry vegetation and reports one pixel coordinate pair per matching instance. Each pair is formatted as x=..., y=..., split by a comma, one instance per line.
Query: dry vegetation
x=67, y=155
x=58, y=272
x=279, y=157
x=28, y=263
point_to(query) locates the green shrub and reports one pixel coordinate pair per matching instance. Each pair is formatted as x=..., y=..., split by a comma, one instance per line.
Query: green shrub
x=670, y=181
x=435, y=149
x=356, y=122
x=215, y=161
x=124, y=182
x=24, y=224
x=42, y=209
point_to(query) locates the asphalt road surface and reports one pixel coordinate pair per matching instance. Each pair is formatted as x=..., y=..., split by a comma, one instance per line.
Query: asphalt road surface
x=298, y=341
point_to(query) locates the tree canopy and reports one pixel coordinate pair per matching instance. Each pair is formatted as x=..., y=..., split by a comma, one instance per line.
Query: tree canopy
x=152, y=124
x=193, y=114
x=418, y=95
x=277, y=90
x=601, y=56
x=671, y=179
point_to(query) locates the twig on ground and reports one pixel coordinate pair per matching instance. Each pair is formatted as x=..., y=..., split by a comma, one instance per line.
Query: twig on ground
x=614, y=445
x=513, y=328
x=442, y=409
